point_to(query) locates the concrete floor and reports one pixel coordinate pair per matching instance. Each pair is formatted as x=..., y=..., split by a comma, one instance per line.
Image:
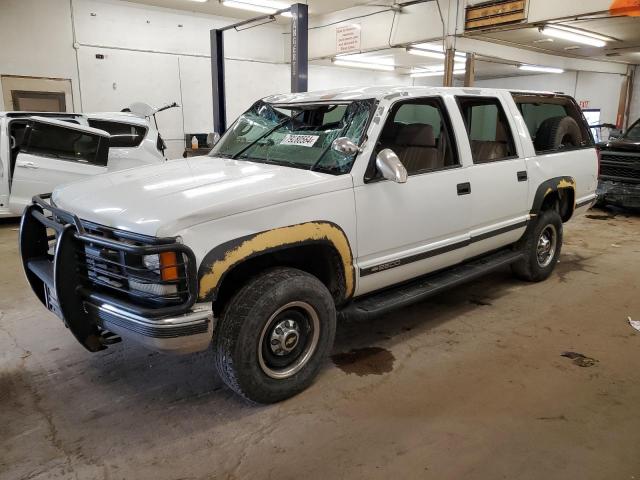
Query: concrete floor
x=470, y=385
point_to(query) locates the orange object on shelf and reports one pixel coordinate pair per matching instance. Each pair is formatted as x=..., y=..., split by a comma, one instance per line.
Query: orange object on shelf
x=625, y=7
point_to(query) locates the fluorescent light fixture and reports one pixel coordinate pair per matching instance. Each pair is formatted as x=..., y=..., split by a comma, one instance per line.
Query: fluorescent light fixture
x=261, y=6
x=200, y=1
x=435, y=73
x=425, y=53
x=573, y=35
x=538, y=68
x=368, y=65
x=421, y=47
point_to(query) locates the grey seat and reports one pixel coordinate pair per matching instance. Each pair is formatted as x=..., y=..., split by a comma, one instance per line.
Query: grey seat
x=416, y=148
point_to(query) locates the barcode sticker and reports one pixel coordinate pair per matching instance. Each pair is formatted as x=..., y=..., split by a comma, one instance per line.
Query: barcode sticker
x=300, y=140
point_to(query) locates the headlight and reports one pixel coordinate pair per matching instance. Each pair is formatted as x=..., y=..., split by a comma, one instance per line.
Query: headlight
x=152, y=262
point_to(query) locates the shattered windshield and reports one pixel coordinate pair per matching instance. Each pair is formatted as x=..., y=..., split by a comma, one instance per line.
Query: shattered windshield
x=296, y=135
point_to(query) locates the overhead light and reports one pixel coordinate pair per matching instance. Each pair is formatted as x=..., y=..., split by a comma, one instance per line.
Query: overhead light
x=425, y=53
x=435, y=73
x=261, y=6
x=367, y=65
x=538, y=68
x=421, y=47
x=200, y=1
x=574, y=35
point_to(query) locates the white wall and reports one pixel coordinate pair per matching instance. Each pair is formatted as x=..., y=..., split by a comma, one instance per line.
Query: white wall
x=36, y=40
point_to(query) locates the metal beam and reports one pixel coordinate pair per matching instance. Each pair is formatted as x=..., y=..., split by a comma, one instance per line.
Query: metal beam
x=299, y=47
x=217, y=81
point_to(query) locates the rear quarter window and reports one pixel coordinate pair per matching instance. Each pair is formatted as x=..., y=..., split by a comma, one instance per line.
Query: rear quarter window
x=123, y=135
x=65, y=144
x=555, y=122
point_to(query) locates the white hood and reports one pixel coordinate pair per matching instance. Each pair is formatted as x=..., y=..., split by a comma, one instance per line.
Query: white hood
x=163, y=199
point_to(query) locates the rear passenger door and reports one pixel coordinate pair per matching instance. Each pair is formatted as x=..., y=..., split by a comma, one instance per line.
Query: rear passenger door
x=55, y=152
x=498, y=177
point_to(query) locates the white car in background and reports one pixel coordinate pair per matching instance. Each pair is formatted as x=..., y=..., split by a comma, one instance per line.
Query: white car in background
x=40, y=151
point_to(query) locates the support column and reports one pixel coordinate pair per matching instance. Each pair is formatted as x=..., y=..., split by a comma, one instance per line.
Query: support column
x=449, y=57
x=470, y=70
x=217, y=81
x=299, y=47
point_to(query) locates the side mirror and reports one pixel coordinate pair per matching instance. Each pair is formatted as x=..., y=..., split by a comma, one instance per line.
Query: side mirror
x=345, y=145
x=390, y=166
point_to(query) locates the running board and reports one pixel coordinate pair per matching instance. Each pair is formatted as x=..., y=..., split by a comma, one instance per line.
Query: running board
x=425, y=287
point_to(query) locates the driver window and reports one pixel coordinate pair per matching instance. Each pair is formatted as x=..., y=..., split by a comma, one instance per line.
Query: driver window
x=418, y=132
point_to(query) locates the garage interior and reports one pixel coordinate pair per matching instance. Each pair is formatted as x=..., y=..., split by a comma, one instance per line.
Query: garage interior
x=497, y=378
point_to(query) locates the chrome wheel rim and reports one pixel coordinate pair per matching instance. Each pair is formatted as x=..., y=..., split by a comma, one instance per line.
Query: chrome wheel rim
x=288, y=340
x=546, y=247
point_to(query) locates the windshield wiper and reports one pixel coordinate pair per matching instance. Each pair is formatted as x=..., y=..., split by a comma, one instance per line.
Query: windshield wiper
x=264, y=135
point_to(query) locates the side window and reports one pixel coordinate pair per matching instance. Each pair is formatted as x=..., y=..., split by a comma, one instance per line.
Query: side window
x=488, y=129
x=65, y=144
x=122, y=134
x=419, y=132
x=555, y=123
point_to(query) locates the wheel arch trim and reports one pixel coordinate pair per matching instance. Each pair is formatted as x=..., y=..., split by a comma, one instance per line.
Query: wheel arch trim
x=223, y=258
x=549, y=186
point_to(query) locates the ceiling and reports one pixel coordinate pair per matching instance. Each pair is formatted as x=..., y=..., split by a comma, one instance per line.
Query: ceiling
x=624, y=30
x=214, y=7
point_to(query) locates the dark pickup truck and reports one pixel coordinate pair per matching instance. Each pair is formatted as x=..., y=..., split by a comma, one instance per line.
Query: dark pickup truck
x=619, y=181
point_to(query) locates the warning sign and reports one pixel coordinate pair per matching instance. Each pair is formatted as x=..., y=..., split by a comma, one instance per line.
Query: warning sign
x=348, y=39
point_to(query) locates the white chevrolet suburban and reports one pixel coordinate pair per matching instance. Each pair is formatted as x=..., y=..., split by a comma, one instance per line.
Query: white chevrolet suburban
x=310, y=207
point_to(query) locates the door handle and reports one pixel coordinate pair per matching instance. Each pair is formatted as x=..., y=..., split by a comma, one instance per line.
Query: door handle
x=464, y=188
x=28, y=165
x=522, y=176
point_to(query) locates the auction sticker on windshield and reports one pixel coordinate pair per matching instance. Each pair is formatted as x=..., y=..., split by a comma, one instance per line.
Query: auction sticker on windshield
x=300, y=140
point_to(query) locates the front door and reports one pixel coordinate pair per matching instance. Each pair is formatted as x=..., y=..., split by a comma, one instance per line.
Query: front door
x=407, y=230
x=52, y=153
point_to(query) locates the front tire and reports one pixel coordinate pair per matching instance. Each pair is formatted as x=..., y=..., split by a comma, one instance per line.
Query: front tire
x=541, y=248
x=274, y=335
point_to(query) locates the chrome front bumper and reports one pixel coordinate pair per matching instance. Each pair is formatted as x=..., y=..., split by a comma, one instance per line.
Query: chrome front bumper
x=187, y=333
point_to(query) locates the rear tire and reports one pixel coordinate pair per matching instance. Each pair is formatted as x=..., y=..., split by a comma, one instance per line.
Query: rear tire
x=541, y=248
x=274, y=335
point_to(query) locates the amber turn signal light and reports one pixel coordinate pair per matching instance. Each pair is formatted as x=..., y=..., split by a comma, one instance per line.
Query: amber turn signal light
x=168, y=266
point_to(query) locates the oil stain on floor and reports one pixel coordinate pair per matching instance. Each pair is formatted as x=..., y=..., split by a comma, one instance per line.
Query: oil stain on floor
x=365, y=361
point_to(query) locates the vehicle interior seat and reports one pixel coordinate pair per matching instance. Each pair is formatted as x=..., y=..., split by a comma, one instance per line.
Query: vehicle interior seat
x=417, y=149
x=487, y=151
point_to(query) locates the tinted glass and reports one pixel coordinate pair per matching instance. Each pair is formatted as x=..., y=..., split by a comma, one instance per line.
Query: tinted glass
x=66, y=144
x=122, y=134
x=542, y=112
x=488, y=129
x=418, y=132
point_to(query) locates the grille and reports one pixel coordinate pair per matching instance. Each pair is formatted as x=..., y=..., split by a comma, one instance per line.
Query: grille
x=620, y=158
x=123, y=274
x=607, y=170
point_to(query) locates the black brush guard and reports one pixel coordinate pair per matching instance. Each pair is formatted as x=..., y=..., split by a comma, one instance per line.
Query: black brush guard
x=62, y=280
